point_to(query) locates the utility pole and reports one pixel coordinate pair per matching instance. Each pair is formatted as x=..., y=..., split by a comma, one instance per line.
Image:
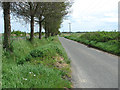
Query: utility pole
x=63, y=28
x=70, y=27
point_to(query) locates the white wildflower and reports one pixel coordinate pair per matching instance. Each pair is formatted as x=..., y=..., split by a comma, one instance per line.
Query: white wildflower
x=24, y=78
x=34, y=75
x=30, y=72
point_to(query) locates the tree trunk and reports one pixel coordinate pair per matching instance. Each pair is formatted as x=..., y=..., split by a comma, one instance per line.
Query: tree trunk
x=32, y=28
x=40, y=28
x=52, y=34
x=7, y=26
x=46, y=31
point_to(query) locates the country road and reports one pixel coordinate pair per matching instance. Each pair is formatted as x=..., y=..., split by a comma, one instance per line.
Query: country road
x=91, y=68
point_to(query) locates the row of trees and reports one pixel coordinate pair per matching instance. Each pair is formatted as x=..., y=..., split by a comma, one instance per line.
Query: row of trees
x=46, y=14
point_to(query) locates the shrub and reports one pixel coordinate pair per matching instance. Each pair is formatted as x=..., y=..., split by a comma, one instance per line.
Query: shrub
x=36, y=53
x=18, y=33
x=28, y=57
x=21, y=61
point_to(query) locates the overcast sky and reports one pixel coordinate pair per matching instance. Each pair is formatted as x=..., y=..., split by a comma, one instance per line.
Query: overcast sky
x=93, y=15
x=87, y=15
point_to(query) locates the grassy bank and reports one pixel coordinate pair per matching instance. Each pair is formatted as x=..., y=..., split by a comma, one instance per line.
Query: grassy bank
x=106, y=41
x=37, y=64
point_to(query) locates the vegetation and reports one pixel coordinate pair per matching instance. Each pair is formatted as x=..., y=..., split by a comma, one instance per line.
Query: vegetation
x=37, y=64
x=42, y=13
x=106, y=41
x=18, y=33
x=34, y=63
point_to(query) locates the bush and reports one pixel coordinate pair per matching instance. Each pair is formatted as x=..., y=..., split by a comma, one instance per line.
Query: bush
x=21, y=61
x=28, y=57
x=36, y=53
x=100, y=36
x=18, y=33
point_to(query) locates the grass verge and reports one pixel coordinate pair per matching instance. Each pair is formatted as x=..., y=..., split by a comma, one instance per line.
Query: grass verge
x=106, y=41
x=37, y=64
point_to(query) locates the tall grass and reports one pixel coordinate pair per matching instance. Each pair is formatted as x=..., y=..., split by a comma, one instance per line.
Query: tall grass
x=33, y=65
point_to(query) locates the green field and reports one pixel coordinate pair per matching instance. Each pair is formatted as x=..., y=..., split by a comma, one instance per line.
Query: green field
x=37, y=64
x=106, y=41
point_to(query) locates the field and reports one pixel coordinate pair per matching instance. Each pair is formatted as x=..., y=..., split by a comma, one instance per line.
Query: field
x=37, y=64
x=106, y=41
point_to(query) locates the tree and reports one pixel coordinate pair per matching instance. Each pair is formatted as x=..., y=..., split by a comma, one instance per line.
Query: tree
x=39, y=15
x=35, y=11
x=7, y=25
x=27, y=11
x=53, y=16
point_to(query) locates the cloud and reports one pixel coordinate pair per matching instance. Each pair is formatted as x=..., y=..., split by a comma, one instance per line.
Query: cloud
x=83, y=9
x=94, y=14
x=110, y=20
x=93, y=6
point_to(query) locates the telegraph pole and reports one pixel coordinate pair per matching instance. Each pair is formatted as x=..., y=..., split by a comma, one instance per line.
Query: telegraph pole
x=70, y=27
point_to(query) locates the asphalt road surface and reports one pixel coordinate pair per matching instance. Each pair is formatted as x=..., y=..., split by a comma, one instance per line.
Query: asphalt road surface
x=91, y=68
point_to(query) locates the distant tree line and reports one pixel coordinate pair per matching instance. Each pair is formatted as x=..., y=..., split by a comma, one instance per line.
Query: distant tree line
x=18, y=33
x=48, y=15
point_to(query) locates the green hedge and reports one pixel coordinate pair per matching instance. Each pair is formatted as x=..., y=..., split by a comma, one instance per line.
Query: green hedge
x=106, y=41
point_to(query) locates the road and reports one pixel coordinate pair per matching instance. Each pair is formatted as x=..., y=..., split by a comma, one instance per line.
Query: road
x=91, y=68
